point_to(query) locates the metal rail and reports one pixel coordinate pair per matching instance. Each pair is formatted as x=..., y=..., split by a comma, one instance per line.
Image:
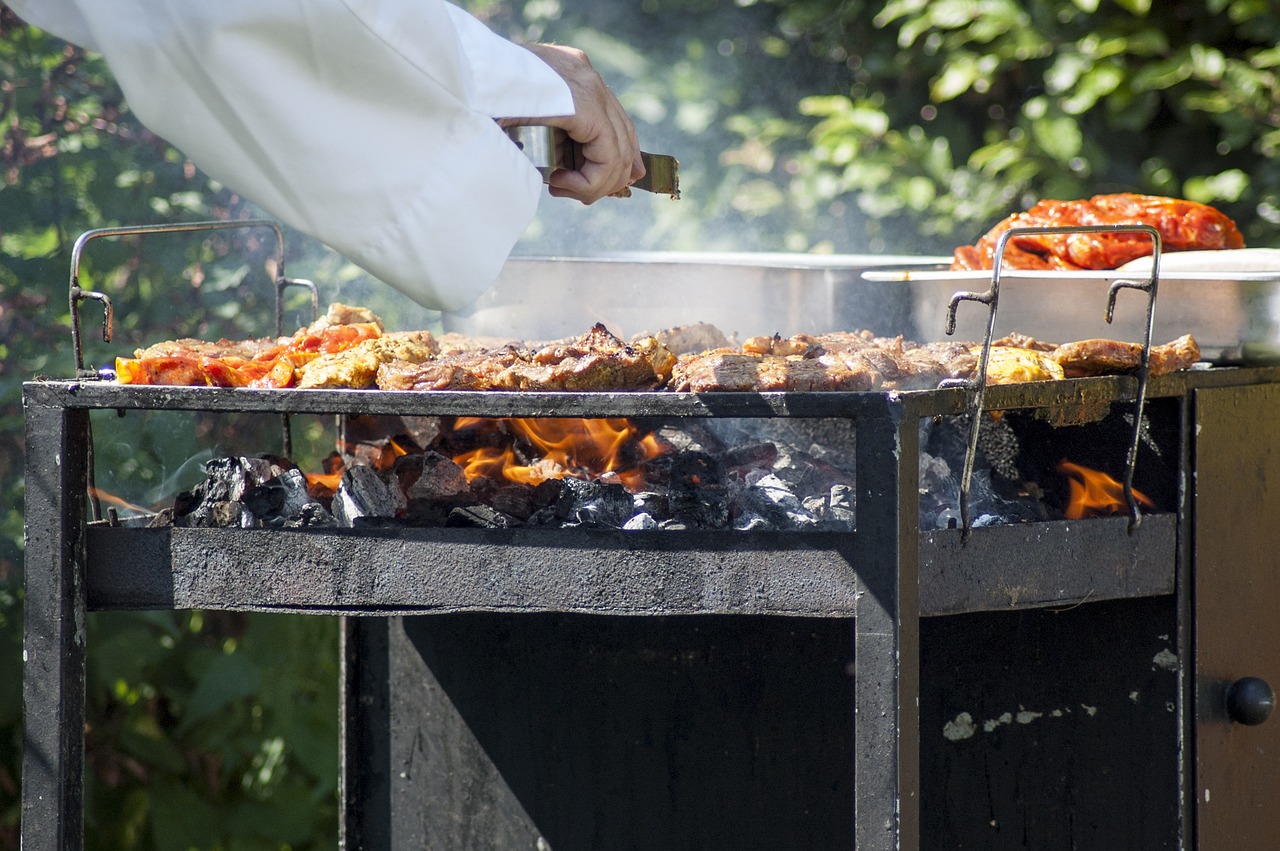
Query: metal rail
x=976, y=388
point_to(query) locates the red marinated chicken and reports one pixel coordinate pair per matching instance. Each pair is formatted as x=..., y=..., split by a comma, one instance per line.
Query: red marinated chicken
x=1183, y=226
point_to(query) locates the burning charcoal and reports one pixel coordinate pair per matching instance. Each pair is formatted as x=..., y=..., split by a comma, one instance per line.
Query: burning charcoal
x=656, y=472
x=697, y=493
x=770, y=504
x=363, y=493
x=592, y=505
x=162, y=518
x=311, y=515
x=833, y=509
x=515, y=500
x=840, y=508
x=807, y=475
x=480, y=516
x=431, y=475
x=371, y=522
x=223, y=514
x=284, y=500
x=691, y=436
x=651, y=503
x=640, y=522
x=741, y=460
x=364, y=437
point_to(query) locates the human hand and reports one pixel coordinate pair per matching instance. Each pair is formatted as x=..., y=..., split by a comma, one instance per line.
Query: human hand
x=607, y=149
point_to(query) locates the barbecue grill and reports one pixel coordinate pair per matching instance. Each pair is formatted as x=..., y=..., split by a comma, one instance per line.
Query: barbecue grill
x=890, y=687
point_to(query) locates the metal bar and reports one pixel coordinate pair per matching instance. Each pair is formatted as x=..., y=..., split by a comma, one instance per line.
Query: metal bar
x=887, y=634
x=1185, y=635
x=53, y=680
x=77, y=250
x=409, y=571
x=1150, y=287
x=1039, y=394
x=364, y=817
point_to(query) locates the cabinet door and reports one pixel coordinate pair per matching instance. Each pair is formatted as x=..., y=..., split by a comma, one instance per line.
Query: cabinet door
x=1237, y=616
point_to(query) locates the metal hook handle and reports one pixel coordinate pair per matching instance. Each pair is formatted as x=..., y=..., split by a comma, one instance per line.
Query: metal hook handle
x=79, y=294
x=977, y=386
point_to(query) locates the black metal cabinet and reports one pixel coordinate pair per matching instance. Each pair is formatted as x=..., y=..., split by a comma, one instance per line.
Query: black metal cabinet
x=765, y=668
x=1237, y=617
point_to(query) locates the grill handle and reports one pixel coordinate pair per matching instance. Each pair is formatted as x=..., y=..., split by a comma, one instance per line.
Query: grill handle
x=977, y=387
x=78, y=294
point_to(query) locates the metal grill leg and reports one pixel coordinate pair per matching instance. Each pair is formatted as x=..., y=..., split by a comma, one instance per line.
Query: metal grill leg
x=887, y=637
x=54, y=639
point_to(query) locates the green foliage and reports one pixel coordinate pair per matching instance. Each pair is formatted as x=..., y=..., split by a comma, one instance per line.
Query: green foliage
x=906, y=126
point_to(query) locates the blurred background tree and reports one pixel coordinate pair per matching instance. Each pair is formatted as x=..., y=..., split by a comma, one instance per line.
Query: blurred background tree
x=826, y=126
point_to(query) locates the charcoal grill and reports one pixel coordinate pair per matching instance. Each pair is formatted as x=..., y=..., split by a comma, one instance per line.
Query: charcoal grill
x=921, y=618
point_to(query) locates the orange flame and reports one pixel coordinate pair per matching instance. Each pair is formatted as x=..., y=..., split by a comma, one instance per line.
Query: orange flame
x=326, y=484
x=112, y=499
x=387, y=455
x=566, y=447
x=1095, y=494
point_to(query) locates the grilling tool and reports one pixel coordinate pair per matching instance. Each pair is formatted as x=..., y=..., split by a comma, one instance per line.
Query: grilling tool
x=549, y=148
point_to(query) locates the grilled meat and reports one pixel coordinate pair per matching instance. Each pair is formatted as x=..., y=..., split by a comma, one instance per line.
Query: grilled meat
x=357, y=367
x=250, y=363
x=595, y=361
x=840, y=361
x=1107, y=357
x=359, y=355
x=1012, y=365
x=1183, y=225
x=690, y=339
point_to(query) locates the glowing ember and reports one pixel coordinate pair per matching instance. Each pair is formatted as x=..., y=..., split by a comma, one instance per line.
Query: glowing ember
x=325, y=485
x=1095, y=494
x=555, y=448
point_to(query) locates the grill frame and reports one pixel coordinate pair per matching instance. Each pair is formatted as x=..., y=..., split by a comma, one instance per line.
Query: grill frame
x=74, y=567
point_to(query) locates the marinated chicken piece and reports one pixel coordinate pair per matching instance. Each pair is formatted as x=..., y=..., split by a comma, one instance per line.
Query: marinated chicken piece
x=453, y=343
x=733, y=371
x=357, y=367
x=1183, y=226
x=264, y=362
x=1022, y=341
x=1010, y=365
x=456, y=371
x=1108, y=357
x=690, y=339
x=801, y=345
x=200, y=348
x=345, y=314
x=595, y=361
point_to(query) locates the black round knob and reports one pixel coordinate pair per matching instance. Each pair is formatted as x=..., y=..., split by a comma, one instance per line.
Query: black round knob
x=1250, y=701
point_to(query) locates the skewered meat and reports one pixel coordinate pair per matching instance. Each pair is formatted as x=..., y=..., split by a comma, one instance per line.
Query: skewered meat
x=1183, y=226
x=595, y=361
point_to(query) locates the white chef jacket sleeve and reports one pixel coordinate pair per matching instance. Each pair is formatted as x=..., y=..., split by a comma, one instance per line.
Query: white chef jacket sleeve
x=367, y=124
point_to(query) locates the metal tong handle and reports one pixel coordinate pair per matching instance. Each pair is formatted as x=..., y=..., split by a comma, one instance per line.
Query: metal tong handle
x=977, y=387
